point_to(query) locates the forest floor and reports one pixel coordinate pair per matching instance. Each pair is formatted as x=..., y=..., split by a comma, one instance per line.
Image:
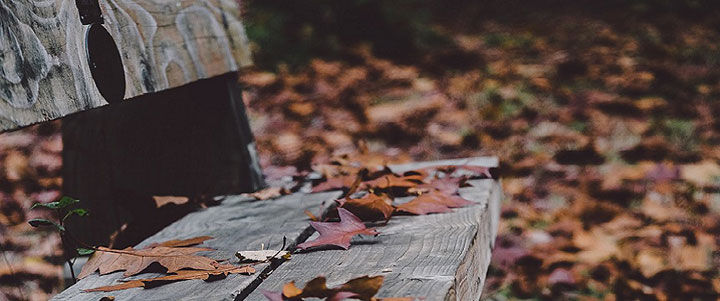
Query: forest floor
x=607, y=136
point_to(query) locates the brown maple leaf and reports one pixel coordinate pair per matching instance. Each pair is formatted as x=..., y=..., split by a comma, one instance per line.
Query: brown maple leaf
x=338, y=234
x=370, y=207
x=362, y=288
x=393, y=181
x=433, y=202
x=223, y=270
x=133, y=261
x=181, y=243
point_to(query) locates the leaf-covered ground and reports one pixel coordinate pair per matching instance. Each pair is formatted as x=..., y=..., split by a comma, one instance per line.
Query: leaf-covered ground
x=607, y=134
x=606, y=129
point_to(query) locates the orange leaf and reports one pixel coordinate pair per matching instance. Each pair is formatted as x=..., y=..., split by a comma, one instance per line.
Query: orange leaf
x=269, y=193
x=181, y=243
x=363, y=288
x=179, y=275
x=290, y=290
x=393, y=181
x=164, y=200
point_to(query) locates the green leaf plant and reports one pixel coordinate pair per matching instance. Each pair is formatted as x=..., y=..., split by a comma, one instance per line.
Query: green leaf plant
x=72, y=247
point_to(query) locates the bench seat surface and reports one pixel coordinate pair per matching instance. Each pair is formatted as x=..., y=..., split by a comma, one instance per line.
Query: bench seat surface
x=437, y=256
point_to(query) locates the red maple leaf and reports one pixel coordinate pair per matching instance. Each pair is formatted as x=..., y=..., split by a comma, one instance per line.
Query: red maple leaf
x=338, y=234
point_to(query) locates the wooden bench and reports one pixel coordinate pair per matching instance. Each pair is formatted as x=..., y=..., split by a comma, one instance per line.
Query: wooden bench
x=436, y=257
x=177, y=126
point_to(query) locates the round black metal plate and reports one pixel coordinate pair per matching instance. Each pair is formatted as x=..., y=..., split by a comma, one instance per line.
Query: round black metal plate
x=105, y=63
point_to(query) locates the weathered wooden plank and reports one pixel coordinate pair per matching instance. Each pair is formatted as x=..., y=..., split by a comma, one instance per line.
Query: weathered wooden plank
x=437, y=256
x=237, y=224
x=44, y=72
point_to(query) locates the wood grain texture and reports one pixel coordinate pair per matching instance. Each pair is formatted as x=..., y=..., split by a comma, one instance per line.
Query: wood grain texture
x=43, y=67
x=437, y=257
x=237, y=224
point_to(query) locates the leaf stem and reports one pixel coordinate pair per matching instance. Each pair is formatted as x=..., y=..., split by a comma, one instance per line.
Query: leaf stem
x=12, y=273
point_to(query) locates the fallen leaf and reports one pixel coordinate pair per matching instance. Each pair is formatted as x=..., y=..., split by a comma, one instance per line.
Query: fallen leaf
x=478, y=170
x=597, y=245
x=434, y=202
x=701, y=174
x=259, y=256
x=179, y=276
x=650, y=263
x=134, y=261
x=269, y=193
x=448, y=185
x=363, y=288
x=561, y=275
x=181, y=243
x=370, y=207
x=335, y=183
x=289, y=290
x=393, y=181
x=422, y=207
x=164, y=200
x=338, y=234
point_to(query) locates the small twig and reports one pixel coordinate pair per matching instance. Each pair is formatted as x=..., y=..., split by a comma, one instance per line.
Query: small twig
x=358, y=179
x=281, y=248
x=72, y=272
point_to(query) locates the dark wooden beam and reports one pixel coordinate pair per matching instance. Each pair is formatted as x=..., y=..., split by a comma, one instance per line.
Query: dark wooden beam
x=193, y=140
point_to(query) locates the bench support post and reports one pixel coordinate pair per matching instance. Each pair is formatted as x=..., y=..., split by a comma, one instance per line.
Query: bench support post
x=193, y=140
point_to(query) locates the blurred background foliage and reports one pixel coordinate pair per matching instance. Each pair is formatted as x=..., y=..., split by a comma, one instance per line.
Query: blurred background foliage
x=294, y=32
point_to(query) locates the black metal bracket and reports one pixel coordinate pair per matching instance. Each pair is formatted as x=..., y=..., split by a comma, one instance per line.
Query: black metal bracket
x=102, y=53
x=90, y=12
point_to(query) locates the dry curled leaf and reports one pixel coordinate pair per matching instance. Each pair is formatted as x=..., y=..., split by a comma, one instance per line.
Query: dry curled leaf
x=370, y=207
x=181, y=243
x=222, y=270
x=135, y=261
x=338, y=234
x=164, y=200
